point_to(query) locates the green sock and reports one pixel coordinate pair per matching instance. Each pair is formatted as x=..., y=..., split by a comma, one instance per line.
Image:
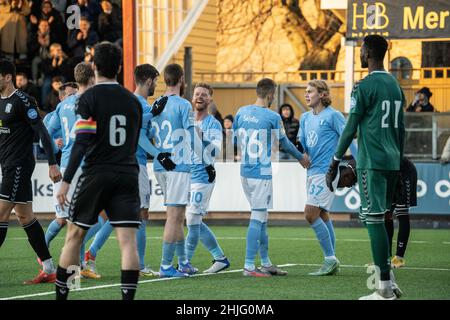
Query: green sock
x=380, y=247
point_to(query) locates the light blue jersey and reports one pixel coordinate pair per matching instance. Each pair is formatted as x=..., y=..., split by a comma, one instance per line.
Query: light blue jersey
x=212, y=135
x=64, y=120
x=174, y=128
x=255, y=127
x=319, y=135
x=146, y=133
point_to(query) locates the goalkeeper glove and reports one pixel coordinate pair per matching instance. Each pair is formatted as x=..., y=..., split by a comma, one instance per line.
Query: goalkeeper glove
x=332, y=173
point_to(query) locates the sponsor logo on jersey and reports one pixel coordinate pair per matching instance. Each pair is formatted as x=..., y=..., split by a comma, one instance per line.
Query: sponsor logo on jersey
x=311, y=139
x=32, y=114
x=248, y=118
x=8, y=108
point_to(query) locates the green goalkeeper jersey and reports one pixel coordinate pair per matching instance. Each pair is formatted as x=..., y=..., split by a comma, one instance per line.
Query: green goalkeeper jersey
x=376, y=113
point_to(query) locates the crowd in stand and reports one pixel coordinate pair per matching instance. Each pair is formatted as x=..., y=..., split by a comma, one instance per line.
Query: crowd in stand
x=46, y=40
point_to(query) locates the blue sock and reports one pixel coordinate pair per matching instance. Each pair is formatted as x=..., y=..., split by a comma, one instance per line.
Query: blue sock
x=90, y=234
x=323, y=235
x=264, y=246
x=192, y=240
x=141, y=237
x=52, y=231
x=209, y=240
x=180, y=252
x=100, y=238
x=329, y=225
x=253, y=236
x=168, y=250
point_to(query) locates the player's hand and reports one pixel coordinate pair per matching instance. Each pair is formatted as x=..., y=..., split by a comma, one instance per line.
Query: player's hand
x=61, y=196
x=59, y=143
x=166, y=162
x=159, y=106
x=211, y=171
x=54, y=173
x=332, y=173
x=305, y=162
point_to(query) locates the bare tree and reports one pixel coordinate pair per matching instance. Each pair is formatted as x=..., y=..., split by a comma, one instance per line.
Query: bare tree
x=315, y=48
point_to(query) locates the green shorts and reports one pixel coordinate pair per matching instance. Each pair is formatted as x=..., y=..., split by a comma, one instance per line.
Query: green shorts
x=376, y=189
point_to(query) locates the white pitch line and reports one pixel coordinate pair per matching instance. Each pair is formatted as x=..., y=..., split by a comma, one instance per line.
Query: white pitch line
x=203, y=275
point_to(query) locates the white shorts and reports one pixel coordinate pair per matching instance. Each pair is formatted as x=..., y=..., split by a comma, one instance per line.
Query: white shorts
x=144, y=187
x=60, y=213
x=259, y=193
x=200, y=196
x=175, y=186
x=318, y=194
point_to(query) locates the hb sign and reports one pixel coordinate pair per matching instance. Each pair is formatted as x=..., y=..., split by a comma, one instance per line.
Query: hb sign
x=399, y=19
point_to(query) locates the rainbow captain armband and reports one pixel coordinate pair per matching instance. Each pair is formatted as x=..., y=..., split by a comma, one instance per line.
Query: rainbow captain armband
x=86, y=126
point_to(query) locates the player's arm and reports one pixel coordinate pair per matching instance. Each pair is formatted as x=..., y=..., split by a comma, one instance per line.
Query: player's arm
x=287, y=145
x=339, y=125
x=301, y=136
x=401, y=126
x=53, y=126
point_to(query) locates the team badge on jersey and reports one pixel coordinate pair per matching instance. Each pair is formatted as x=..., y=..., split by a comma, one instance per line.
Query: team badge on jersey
x=352, y=102
x=32, y=114
x=8, y=108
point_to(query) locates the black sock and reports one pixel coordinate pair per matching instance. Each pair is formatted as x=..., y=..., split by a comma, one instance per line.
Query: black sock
x=403, y=232
x=129, y=284
x=36, y=237
x=61, y=288
x=389, y=225
x=3, y=230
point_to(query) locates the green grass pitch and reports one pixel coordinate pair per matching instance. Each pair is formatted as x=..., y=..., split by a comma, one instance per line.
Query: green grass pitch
x=427, y=275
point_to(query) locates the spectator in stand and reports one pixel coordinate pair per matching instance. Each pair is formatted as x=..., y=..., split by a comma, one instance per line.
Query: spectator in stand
x=56, y=65
x=67, y=89
x=23, y=84
x=90, y=9
x=229, y=149
x=13, y=28
x=215, y=113
x=81, y=39
x=109, y=23
x=52, y=100
x=58, y=29
x=39, y=47
x=291, y=126
x=421, y=101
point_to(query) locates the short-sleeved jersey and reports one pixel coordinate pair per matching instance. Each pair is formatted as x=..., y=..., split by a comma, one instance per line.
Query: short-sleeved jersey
x=379, y=99
x=17, y=113
x=172, y=128
x=64, y=120
x=319, y=135
x=254, y=128
x=147, y=126
x=118, y=116
x=211, y=130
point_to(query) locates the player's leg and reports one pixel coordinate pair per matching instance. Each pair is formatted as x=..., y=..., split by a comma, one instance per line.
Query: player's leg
x=176, y=186
x=5, y=211
x=89, y=235
x=144, y=195
x=404, y=228
x=209, y=240
x=325, y=215
x=69, y=260
x=375, y=186
x=61, y=215
x=130, y=261
x=389, y=225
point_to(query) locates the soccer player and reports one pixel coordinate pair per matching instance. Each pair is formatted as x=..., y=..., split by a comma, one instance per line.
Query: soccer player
x=405, y=198
x=63, y=120
x=202, y=181
x=376, y=114
x=255, y=126
x=19, y=120
x=320, y=129
x=175, y=134
x=146, y=77
x=107, y=133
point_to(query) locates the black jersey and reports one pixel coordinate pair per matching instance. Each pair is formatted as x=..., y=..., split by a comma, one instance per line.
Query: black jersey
x=116, y=115
x=18, y=113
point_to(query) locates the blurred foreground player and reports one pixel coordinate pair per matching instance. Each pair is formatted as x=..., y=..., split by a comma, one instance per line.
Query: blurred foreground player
x=19, y=120
x=107, y=134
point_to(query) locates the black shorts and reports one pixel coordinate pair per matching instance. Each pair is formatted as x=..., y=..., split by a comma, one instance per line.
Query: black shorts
x=406, y=195
x=15, y=185
x=116, y=193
